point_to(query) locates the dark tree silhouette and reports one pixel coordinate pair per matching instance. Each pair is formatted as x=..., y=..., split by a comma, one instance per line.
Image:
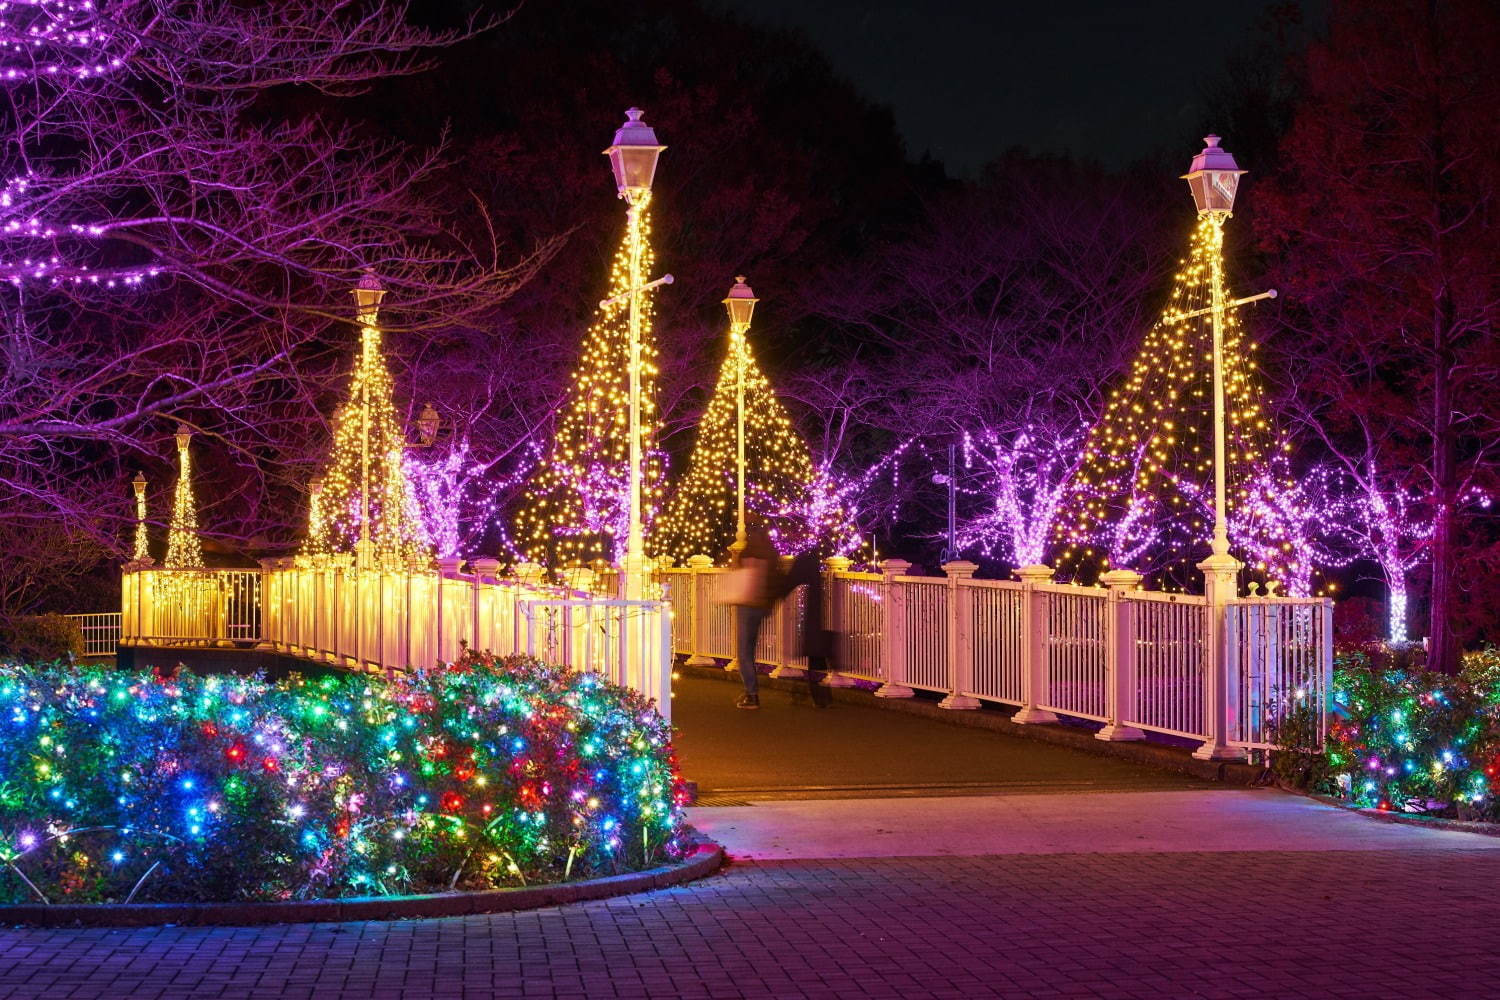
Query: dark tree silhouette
x=1382, y=220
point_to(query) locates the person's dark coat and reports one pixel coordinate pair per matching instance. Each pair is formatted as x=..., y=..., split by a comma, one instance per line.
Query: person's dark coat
x=815, y=639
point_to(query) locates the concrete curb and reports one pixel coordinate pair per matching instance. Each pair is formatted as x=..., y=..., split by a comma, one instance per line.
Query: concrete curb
x=704, y=858
x=1405, y=819
x=997, y=719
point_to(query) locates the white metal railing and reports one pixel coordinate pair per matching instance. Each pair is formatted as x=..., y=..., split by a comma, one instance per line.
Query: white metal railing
x=1136, y=661
x=1280, y=658
x=325, y=611
x=101, y=632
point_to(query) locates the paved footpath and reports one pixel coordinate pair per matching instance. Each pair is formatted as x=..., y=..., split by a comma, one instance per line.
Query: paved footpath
x=1115, y=888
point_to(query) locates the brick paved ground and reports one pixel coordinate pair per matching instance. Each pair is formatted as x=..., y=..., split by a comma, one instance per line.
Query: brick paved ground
x=1254, y=924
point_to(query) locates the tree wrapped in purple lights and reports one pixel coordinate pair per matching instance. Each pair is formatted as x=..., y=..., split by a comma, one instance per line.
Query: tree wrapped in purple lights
x=1017, y=483
x=459, y=495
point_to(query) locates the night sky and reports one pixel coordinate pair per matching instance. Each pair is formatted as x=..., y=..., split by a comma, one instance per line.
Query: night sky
x=1111, y=79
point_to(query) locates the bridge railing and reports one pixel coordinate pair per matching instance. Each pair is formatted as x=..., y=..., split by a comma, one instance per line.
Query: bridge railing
x=1136, y=661
x=101, y=632
x=325, y=611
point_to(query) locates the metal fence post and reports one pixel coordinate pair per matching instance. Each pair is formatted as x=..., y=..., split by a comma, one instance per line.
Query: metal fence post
x=836, y=565
x=893, y=636
x=698, y=655
x=1219, y=589
x=960, y=637
x=1033, y=645
x=1119, y=657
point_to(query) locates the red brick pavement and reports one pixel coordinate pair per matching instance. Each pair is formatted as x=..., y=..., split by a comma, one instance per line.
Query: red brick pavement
x=1255, y=924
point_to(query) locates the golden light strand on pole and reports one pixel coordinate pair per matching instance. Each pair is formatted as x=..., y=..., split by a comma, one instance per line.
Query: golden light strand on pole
x=1157, y=481
x=362, y=503
x=746, y=454
x=598, y=488
x=142, y=550
x=184, y=547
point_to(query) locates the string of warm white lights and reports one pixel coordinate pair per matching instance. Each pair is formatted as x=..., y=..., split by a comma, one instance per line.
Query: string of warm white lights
x=779, y=474
x=365, y=496
x=184, y=547
x=1143, y=495
x=577, y=505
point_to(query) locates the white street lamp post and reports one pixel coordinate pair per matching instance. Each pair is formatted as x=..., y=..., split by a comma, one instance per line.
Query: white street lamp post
x=367, y=296
x=740, y=304
x=1214, y=179
x=633, y=160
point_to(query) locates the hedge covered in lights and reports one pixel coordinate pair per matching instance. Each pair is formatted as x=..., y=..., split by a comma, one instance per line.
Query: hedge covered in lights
x=119, y=785
x=1407, y=740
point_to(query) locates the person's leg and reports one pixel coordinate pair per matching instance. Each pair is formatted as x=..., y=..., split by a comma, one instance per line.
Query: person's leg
x=747, y=637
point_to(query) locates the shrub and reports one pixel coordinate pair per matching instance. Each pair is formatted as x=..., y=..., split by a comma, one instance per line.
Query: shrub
x=120, y=785
x=1417, y=741
x=41, y=638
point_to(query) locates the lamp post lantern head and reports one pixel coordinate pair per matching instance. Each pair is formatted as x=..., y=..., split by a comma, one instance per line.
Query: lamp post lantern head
x=428, y=422
x=183, y=437
x=368, y=294
x=315, y=486
x=633, y=156
x=1213, y=177
x=139, y=484
x=740, y=303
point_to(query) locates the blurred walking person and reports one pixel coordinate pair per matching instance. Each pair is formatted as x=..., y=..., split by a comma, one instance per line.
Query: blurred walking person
x=754, y=581
x=814, y=639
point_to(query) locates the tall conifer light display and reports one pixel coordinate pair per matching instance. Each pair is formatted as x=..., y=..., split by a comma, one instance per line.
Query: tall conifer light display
x=577, y=506
x=1144, y=495
x=777, y=480
x=184, y=547
x=363, y=505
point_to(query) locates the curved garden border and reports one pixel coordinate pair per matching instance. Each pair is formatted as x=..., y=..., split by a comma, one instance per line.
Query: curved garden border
x=1405, y=819
x=704, y=858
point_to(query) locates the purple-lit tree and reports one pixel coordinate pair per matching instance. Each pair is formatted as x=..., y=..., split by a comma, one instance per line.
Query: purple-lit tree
x=459, y=495
x=177, y=236
x=1015, y=481
x=1381, y=228
x=1383, y=523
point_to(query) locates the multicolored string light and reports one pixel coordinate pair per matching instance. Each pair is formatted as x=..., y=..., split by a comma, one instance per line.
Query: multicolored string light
x=1416, y=742
x=120, y=785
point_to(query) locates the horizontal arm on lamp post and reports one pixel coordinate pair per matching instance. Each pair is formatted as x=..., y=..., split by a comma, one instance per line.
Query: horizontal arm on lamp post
x=665, y=279
x=1228, y=305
